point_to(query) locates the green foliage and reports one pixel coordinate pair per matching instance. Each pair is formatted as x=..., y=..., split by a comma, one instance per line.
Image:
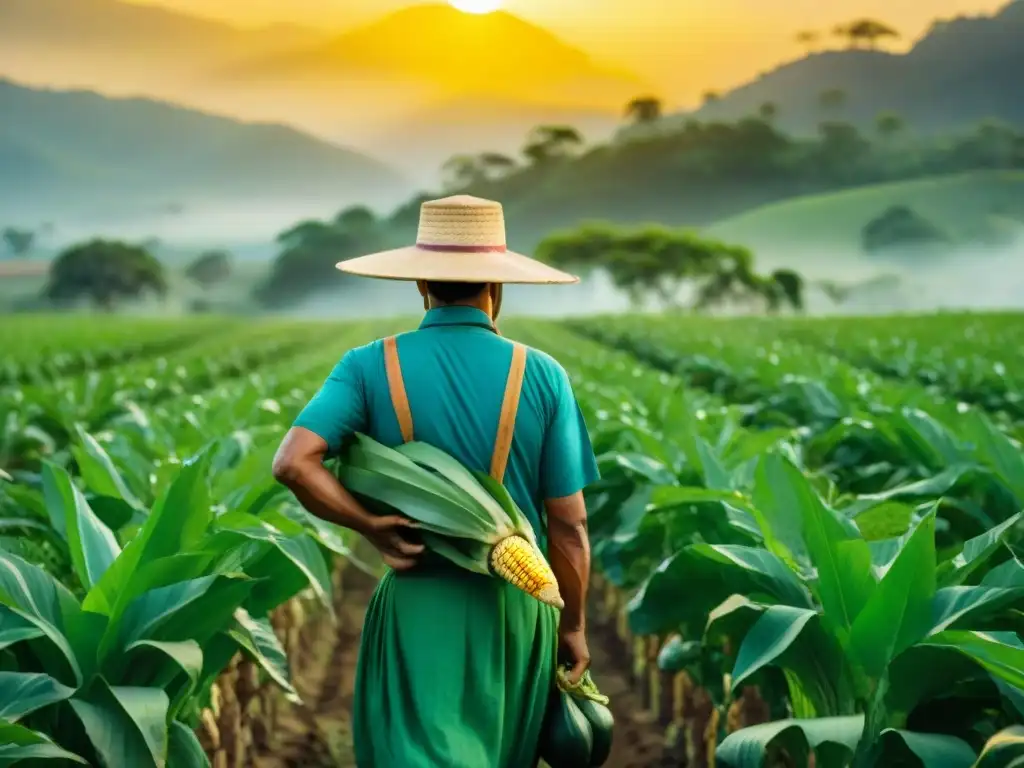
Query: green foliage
x=662, y=262
x=104, y=271
x=210, y=268
x=900, y=227
x=18, y=241
x=311, y=251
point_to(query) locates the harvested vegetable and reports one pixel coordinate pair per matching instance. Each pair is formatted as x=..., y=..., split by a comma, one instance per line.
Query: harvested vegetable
x=467, y=517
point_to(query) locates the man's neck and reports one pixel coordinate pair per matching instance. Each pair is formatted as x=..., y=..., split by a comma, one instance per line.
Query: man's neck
x=484, y=305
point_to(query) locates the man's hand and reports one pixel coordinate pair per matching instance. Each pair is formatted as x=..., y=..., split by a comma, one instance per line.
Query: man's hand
x=573, y=649
x=390, y=535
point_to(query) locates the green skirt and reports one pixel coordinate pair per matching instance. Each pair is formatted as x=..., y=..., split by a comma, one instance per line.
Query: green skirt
x=454, y=671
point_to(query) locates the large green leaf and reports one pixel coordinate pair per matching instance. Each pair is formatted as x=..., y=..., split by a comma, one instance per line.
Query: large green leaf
x=773, y=634
x=22, y=693
x=976, y=552
x=751, y=747
x=929, y=750
x=177, y=523
x=92, y=545
x=966, y=606
x=185, y=656
x=184, y=749
x=14, y=628
x=779, y=498
x=899, y=611
x=257, y=638
x=687, y=586
x=18, y=744
x=126, y=726
x=996, y=451
x=1001, y=654
x=38, y=598
x=98, y=470
x=1004, y=750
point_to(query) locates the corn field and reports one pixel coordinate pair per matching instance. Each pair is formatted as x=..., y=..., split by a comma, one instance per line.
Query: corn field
x=807, y=539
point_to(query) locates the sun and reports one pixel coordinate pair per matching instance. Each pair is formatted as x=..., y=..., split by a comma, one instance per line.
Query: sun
x=476, y=6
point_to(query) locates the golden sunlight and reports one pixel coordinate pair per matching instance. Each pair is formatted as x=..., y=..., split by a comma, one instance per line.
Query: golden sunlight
x=476, y=6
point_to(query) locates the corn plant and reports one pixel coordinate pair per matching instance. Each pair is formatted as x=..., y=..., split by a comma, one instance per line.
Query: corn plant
x=117, y=677
x=867, y=635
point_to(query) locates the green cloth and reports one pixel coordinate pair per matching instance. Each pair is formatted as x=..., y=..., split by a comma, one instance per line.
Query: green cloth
x=455, y=668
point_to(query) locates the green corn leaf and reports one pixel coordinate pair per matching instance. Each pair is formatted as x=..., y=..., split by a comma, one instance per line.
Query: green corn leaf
x=976, y=552
x=257, y=639
x=39, y=599
x=126, y=726
x=1000, y=654
x=827, y=736
x=18, y=744
x=22, y=693
x=177, y=523
x=92, y=545
x=510, y=510
x=455, y=473
x=147, y=663
x=184, y=749
x=1004, y=750
x=15, y=628
x=899, y=611
x=434, y=512
x=931, y=750
x=962, y=607
x=770, y=637
x=98, y=470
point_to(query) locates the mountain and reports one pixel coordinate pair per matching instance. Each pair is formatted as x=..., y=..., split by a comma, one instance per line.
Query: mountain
x=961, y=72
x=121, y=46
x=443, y=50
x=71, y=150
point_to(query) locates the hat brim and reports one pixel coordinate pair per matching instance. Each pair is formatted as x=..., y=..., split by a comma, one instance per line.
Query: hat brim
x=414, y=263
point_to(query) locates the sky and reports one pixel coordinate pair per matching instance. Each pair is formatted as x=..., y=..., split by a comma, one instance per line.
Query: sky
x=719, y=43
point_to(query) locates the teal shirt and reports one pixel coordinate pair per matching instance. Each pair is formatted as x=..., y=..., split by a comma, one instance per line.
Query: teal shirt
x=455, y=368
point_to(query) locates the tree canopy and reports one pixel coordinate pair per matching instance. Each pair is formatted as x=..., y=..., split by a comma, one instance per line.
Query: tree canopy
x=209, y=268
x=661, y=262
x=104, y=271
x=18, y=241
x=311, y=250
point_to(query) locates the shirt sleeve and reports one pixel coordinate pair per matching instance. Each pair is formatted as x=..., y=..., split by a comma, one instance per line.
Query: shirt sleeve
x=338, y=410
x=568, y=463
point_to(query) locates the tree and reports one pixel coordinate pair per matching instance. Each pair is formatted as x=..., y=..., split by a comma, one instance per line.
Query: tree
x=888, y=125
x=311, y=250
x=787, y=286
x=711, y=97
x=899, y=227
x=832, y=99
x=549, y=142
x=19, y=241
x=104, y=271
x=209, y=268
x=496, y=165
x=461, y=171
x=809, y=39
x=768, y=111
x=644, y=110
x=660, y=262
x=869, y=32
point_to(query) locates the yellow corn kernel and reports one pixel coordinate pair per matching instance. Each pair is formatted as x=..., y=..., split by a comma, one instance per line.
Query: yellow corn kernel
x=519, y=563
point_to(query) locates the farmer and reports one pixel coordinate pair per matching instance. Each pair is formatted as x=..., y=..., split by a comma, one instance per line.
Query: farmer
x=455, y=668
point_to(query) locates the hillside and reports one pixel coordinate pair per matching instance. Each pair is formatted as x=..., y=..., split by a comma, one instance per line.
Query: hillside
x=962, y=72
x=71, y=147
x=117, y=45
x=447, y=52
x=968, y=207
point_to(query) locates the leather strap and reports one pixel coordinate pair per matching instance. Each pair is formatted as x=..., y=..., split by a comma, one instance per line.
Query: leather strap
x=399, y=398
x=509, y=409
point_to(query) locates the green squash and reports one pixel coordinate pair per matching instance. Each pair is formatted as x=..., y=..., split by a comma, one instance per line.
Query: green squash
x=577, y=726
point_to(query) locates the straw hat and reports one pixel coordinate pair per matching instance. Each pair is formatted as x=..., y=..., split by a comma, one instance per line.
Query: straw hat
x=461, y=239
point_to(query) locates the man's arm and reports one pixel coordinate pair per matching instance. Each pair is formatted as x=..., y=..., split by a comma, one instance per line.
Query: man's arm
x=569, y=552
x=298, y=465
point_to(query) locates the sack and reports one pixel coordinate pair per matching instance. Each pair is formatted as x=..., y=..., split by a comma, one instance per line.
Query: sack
x=578, y=725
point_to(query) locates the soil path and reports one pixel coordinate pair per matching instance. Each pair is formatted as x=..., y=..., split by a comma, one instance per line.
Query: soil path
x=320, y=734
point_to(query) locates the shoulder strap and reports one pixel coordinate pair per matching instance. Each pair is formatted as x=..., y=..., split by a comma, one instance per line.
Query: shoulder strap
x=399, y=398
x=509, y=408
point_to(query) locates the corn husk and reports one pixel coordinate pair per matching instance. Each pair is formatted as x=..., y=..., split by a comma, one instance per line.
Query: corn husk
x=462, y=515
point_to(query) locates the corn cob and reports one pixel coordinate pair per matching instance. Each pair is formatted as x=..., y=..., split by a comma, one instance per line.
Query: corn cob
x=518, y=562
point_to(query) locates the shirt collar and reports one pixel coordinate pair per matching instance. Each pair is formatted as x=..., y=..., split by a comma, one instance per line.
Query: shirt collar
x=457, y=315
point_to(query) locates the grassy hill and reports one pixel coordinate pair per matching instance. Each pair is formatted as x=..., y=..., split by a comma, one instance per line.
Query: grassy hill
x=65, y=146
x=968, y=207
